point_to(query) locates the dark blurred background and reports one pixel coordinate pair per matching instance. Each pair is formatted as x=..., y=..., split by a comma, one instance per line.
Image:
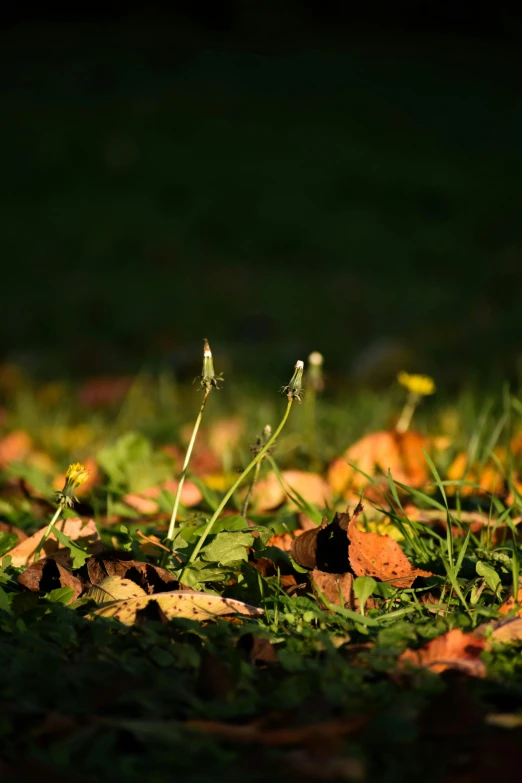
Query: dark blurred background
x=277, y=176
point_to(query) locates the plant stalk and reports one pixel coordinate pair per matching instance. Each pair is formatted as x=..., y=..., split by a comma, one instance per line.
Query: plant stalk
x=257, y=459
x=47, y=531
x=188, y=455
x=407, y=413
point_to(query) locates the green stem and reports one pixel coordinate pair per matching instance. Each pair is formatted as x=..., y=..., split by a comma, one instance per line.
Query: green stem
x=244, y=509
x=235, y=485
x=47, y=531
x=407, y=413
x=188, y=455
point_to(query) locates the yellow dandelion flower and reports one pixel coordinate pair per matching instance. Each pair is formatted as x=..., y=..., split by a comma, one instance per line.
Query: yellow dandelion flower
x=76, y=474
x=422, y=385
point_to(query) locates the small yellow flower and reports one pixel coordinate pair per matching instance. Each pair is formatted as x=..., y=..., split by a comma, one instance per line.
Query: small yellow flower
x=421, y=385
x=76, y=474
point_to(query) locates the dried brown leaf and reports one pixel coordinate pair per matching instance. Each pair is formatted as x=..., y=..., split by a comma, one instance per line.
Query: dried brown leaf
x=452, y=650
x=379, y=556
x=85, y=534
x=336, y=588
x=47, y=575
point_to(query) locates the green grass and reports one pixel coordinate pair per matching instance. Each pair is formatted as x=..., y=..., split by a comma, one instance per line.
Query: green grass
x=93, y=698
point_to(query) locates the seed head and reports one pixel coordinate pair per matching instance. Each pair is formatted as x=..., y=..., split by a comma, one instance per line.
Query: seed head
x=208, y=378
x=421, y=385
x=294, y=390
x=76, y=475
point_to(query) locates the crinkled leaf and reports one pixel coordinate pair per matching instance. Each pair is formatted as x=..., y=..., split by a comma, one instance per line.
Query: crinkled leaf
x=228, y=548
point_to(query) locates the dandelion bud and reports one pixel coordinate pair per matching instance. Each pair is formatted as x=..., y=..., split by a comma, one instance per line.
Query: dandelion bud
x=294, y=389
x=208, y=378
x=314, y=375
x=76, y=475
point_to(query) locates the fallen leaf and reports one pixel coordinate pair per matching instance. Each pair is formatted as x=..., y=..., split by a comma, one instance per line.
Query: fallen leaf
x=262, y=650
x=141, y=504
x=151, y=578
x=47, y=575
x=509, y=605
x=284, y=541
x=371, y=554
x=508, y=631
x=291, y=735
x=192, y=605
x=268, y=493
x=325, y=548
x=336, y=588
x=225, y=434
x=114, y=588
x=487, y=477
x=15, y=447
x=378, y=452
x=452, y=650
x=85, y=534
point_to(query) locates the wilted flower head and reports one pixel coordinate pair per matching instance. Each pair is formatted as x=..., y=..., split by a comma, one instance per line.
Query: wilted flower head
x=208, y=378
x=421, y=385
x=314, y=375
x=294, y=390
x=76, y=475
x=262, y=440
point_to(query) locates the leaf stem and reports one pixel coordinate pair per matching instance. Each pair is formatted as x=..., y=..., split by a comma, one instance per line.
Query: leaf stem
x=257, y=459
x=407, y=413
x=188, y=455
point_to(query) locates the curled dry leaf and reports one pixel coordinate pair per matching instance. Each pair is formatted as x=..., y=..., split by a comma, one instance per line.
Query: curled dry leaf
x=85, y=534
x=47, y=575
x=378, y=452
x=379, y=556
x=324, y=547
x=192, y=605
x=452, y=650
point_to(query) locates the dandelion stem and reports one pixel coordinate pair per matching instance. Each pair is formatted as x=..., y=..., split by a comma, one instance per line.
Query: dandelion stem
x=47, y=531
x=253, y=483
x=188, y=455
x=407, y=413
x=257, y=459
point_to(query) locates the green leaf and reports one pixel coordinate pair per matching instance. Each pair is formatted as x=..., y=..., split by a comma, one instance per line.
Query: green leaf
x=7, y=542
x=228, y=547
x=363, y=588
x=489, y=574
x=79, y=556
x=4, y=601
x=62, y=595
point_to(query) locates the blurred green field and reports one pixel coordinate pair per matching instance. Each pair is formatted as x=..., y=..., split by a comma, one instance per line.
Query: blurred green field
x=158, y=188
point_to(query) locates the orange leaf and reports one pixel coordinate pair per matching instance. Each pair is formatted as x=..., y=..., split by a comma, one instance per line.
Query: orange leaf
x=401, y=453
x=15, y=447
x=452, y=650
x=268, y=493
x=371, y=554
